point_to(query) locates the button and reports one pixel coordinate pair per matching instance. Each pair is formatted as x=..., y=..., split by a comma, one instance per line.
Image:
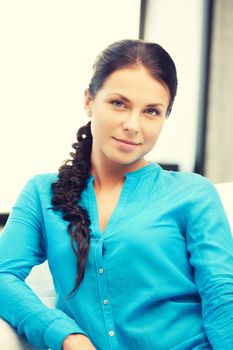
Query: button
x=111, y=333
x=101, y=270
x=105, y=301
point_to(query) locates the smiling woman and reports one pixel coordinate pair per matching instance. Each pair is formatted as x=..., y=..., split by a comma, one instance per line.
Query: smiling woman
x=141, y=258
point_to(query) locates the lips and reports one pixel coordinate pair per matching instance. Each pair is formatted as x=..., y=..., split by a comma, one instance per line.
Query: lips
x=128, y=142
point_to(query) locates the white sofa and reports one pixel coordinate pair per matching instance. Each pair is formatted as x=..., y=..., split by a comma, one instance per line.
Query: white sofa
x=225, y=191
x=41, y=282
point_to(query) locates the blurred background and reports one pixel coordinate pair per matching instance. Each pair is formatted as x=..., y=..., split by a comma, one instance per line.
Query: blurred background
x=47, y=51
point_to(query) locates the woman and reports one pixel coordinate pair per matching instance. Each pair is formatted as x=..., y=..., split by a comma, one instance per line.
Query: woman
x=150, y=262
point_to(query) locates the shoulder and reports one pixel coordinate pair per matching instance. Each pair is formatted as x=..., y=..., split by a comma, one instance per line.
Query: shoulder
x=186, y=178
x=41, y=183
x=45, y=178
x=35, y=194
x=191, y=185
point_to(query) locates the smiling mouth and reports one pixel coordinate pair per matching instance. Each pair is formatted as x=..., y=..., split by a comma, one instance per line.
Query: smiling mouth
x=126, y=142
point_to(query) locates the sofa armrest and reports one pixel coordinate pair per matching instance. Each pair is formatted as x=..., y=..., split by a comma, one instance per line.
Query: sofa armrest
x=41, y=282
x=10, y=340
x=225, y=191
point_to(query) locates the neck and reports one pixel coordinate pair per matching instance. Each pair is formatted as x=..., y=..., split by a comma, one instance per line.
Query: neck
x=110, y=174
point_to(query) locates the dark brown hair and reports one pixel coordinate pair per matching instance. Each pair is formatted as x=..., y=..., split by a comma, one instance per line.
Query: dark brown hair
x=73, y=175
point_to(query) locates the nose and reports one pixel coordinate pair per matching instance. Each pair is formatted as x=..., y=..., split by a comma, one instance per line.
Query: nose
x=131, y=123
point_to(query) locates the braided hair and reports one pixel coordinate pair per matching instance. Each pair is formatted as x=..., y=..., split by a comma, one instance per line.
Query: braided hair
x=72, y=180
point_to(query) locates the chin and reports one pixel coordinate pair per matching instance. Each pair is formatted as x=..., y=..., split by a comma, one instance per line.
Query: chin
x=125, y=162
x=124, y=159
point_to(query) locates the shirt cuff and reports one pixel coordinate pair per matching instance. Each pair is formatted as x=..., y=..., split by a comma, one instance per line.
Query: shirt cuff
x=58, y=331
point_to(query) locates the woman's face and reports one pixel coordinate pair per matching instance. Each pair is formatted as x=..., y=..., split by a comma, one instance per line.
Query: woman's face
x=127, y=116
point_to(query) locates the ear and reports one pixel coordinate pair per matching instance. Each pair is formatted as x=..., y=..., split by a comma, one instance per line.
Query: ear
x=87, y=103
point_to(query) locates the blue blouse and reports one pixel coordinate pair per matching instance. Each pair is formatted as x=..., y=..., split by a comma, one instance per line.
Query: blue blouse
x=160, y=276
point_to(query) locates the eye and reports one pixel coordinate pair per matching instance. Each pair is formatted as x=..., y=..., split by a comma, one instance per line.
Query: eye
x=152, y=111
x=117, y=103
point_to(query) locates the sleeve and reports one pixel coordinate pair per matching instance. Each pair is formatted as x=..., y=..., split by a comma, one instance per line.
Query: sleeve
x=210, y=244
x=21, y=248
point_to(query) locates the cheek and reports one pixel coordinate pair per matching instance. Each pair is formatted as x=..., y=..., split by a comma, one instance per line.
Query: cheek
x=152, y=134
x=101, y=124
x=103, y=120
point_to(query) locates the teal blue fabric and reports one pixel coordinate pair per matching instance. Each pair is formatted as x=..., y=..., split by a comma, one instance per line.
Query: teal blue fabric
x=160, y=276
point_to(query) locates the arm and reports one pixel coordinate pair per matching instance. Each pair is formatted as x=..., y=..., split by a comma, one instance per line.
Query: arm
x=21, y=247
x=210, y=244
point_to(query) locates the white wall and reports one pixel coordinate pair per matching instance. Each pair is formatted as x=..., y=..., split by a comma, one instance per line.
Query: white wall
x=219, y=148
x=47, y=51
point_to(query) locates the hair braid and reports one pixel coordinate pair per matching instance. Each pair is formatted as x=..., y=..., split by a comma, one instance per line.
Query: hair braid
x=72, y=179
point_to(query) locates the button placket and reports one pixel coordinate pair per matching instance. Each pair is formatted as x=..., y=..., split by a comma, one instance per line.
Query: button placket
x=104, y=295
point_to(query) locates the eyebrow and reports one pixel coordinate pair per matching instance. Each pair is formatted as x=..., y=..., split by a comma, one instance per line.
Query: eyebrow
x=127, y=100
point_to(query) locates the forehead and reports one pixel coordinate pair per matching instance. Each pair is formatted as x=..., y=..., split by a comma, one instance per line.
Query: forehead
x=135, y=82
